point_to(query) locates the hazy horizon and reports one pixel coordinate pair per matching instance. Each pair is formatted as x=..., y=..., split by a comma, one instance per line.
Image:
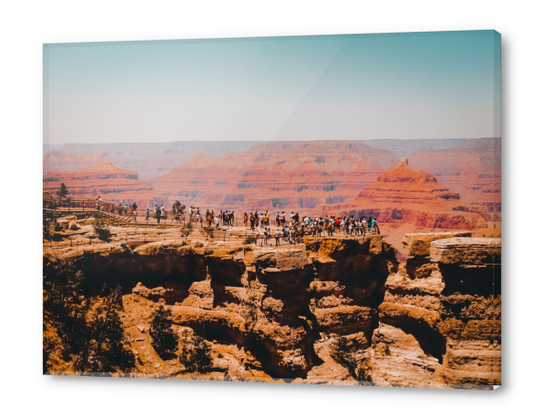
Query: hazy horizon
x=58, y=145
x=410, y=86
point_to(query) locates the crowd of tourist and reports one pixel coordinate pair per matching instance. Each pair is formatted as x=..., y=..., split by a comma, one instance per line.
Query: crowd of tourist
x=288, y=228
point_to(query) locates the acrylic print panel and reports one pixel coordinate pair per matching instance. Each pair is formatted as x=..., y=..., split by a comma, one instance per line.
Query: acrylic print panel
x=315, y=209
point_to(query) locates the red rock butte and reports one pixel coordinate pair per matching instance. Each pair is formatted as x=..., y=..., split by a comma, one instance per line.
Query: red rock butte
x=407, y=195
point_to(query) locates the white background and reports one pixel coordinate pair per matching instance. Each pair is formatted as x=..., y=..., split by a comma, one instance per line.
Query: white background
x=26, y=25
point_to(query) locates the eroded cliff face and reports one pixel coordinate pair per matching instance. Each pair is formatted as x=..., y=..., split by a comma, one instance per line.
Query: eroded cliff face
x=280, y=312
x=439, y=323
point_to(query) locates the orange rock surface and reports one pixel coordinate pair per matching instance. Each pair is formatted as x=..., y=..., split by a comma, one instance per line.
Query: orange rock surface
x=269, y=312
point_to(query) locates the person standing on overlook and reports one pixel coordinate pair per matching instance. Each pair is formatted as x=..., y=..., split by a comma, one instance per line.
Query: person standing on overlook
x=374, y=226
x=277, y=237
x=158, y=214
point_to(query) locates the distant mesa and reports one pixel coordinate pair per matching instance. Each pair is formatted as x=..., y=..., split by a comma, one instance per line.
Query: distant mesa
x=298, y=176
x=407, y=185
x=446, y=183
x=102, y=179
x=147, y=159
x=472, y=169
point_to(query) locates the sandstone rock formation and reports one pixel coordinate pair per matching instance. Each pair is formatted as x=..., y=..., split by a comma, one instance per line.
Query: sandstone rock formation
x=447, y=302
x=285, y=312
x=407, y=195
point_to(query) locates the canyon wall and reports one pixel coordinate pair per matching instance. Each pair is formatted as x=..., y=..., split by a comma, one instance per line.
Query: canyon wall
x=104, y=180
x=298, y=176
x=271, y=313
x=309, y=177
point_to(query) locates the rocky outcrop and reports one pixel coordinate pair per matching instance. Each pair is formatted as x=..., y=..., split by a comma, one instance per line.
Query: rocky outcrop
x=433, y=321
x=447, y=302
x=272, y=302
x=419, y=244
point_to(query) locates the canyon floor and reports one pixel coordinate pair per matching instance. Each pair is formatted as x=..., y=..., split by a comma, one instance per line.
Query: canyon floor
x=331, y=310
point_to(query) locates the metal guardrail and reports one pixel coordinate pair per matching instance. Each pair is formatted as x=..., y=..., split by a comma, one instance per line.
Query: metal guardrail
x=247, y=237
x=139, y=215
x=180, y=220
x=127, y=215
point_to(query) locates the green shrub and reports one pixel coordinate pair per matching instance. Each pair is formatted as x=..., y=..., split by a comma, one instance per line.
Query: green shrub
x=250, y=239
x=356, y=362
x=107, y=348
x=164, y=339
x=195, y=354
x=101, y=228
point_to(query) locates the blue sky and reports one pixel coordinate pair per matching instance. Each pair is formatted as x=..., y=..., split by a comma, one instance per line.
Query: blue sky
x=341, y=87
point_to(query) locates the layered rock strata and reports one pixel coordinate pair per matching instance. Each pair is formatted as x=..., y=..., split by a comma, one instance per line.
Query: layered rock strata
x=473, y=169
x=104, y=180
x=439, y=323
x=266, y=312
x=407, y=195
x=274, y=302
x=297, y=176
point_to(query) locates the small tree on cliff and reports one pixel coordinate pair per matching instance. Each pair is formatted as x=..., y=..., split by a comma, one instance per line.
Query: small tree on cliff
x=64, y=312
x=195, y=353
x=164, y=339
x=358, y=364
x=178, y=208
x=62, y=192
x=107, y=349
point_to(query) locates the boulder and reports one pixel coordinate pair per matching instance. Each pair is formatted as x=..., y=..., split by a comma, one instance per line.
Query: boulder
x=419, y=244
x=152, y=294
x=467, y=251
